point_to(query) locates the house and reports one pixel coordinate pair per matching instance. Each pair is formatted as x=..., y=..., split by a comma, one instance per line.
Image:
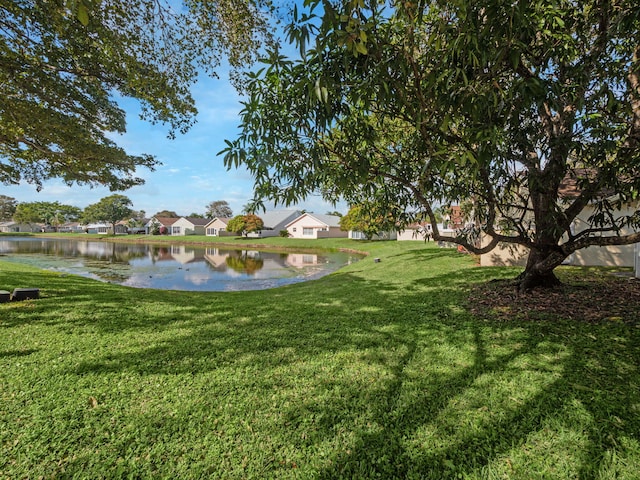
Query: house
x=610, y=255
x=603, y=256
x=100, y=228
x=14, y=227
x=275, y=221
x=314, y=225
x=453, y=219
x=71, y=227
x=134, y=226
x=217, y=227
x=388, y=235
x=416, y=231
x=189, y=226
x=104, y=228
x=424, y=231
x=160, y=225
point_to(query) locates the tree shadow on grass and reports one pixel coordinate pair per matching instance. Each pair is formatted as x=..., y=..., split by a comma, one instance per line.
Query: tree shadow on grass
x=17, y=353
x=592, y=376
x=425, y=419
x=502, y=440
x=414, y=386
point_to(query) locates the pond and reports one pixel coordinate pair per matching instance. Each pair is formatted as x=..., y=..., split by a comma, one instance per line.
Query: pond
x=172, y=267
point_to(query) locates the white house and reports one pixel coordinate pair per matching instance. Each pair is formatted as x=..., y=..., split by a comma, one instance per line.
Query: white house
x=382, y=235
x=423, y=232
x=216, y=227
x=162, y=224
x=611, y=255
x=189, y=226
x=14, y=227
x=315, y=225
x=608, y=256
x=415, y=231
x=71, y=227
x=275, y=221
x=101, y=228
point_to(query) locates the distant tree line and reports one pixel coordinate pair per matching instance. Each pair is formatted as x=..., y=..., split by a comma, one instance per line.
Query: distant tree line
x=110, y=209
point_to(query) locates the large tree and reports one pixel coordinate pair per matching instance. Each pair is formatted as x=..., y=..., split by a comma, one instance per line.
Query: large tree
x=65, y=64
x=527, y=111
x=49, y=213
x=245, y=224
x=7, y=207
x=368, y=219
x=111, y=209
x=220, y=209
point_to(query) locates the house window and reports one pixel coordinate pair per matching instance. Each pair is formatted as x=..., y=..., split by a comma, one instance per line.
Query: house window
x=294, y=229
x=307, y=231
x=175, y=230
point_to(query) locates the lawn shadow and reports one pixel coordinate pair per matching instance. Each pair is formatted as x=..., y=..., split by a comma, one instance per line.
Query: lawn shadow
x=417, y=381
x=594, y=373
x=17, y=353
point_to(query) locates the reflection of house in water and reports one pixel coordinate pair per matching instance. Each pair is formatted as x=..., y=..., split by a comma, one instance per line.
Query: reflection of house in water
x=245, y=261
x=216, y=257
x=178, y=253
x=301, y=259
x=114, y=252
x=160, y=254
x=90, y=249
x=182, y=254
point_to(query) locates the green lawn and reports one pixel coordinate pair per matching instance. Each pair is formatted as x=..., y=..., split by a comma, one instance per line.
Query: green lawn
x=376, y=371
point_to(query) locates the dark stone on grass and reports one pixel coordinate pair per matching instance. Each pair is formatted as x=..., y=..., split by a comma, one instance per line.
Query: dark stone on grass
x=25, y=294
x=4, y=296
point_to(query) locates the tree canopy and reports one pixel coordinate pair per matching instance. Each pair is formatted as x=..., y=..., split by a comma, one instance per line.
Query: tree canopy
x=527, y=111
x=48, y=213
x=7, y=207
x=244, y=224
x=112, y=209
x=65, y=64
x=369, y=221
x=220, y=209
x=167, y=214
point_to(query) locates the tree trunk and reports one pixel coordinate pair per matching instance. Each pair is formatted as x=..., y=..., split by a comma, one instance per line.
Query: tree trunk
x=539, y=269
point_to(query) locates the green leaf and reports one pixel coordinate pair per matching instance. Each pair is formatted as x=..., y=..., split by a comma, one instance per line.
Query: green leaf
x=361, y=48
x=83, y=14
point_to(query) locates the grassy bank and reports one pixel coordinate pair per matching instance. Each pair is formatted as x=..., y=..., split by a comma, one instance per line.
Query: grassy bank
x=376, y=371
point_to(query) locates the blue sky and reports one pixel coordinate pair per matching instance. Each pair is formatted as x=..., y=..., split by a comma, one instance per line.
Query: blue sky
x=191, y=175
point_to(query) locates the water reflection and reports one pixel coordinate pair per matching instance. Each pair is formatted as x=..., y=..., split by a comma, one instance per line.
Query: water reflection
x=176, y=267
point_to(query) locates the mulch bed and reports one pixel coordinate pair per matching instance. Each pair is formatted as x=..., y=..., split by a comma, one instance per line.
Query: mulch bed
x=588, y=296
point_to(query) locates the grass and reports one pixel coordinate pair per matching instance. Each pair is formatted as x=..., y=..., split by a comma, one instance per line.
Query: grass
x=376, y=371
